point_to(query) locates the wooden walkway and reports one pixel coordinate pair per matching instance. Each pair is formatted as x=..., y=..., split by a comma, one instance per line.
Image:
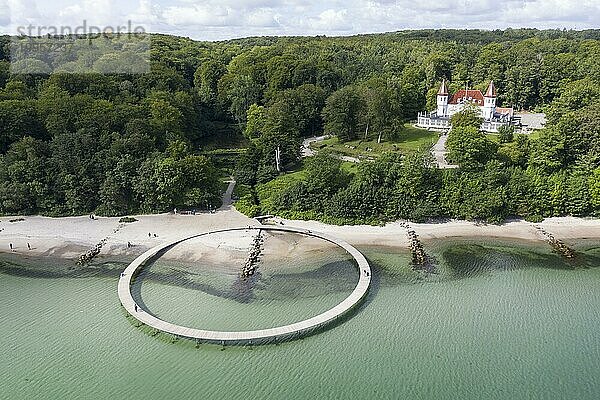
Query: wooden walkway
x=270, y=335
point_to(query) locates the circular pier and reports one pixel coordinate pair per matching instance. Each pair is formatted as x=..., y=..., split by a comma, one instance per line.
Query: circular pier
x=278, y=334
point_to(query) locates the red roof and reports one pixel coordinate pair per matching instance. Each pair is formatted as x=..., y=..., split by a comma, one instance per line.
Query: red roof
x=502, y=110
x=474, y=96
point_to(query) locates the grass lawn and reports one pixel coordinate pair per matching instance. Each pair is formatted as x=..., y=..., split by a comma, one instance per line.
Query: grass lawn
x=349, y=167
x=409, y=140
x=535, y=135
x=268, y=191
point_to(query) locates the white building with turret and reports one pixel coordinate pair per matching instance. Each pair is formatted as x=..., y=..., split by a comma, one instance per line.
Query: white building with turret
x=448, y=105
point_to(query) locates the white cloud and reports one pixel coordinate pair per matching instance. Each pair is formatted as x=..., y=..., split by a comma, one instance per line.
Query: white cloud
x=204, y=15
x=25, y=10
x=4, y=13
x=144, y=15
x=263, y=18
x=220, y=19
x=333, y=20
x=549, y=11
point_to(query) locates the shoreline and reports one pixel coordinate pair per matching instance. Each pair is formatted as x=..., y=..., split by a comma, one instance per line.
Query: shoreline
x=69, y=237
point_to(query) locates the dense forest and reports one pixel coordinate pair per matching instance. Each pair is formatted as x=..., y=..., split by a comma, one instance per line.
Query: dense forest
x=75, y=143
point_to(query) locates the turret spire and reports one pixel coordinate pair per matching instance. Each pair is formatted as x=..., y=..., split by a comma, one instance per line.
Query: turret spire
x=489, y=102
x=443, y=89
x=442, y=100
x=491, y=91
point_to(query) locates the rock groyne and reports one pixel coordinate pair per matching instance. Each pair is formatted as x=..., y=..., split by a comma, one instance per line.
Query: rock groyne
x=557, y=245
x=420, y=259
x=256, y=249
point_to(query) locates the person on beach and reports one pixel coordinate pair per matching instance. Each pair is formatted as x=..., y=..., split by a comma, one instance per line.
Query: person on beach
x=136, y=307
x=29, y=246
x=149, y=235
x=11, y=247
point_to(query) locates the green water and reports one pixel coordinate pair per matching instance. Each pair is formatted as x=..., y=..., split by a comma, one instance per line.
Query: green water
x=212, y=296
x=499, y=321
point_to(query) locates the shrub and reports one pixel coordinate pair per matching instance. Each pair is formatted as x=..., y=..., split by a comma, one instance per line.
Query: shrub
x=506, y=134
x=247, y=206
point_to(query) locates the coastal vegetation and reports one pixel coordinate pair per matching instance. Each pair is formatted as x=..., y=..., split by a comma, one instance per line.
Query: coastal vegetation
x=123, y=144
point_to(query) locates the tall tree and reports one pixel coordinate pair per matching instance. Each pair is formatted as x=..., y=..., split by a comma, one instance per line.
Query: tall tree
x=469, y=148
x=342, y=113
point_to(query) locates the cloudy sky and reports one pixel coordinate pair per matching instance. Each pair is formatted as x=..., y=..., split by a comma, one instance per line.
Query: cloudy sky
x=223, y=19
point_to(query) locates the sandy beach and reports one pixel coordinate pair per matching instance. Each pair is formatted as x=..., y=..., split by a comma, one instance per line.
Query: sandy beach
x=69, y=237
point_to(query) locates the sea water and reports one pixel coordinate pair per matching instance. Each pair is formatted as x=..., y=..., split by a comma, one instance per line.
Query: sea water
x=499, y=320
